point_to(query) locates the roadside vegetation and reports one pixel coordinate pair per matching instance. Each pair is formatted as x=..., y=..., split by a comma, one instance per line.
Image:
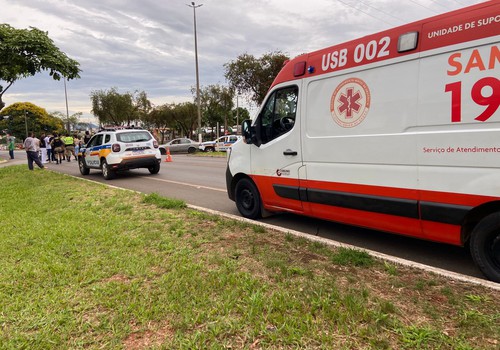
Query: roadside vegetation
x=84, y=266
x=210, y=154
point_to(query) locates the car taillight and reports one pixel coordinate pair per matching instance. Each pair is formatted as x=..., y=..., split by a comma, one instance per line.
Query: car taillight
x=155, y=144
x=116, y=147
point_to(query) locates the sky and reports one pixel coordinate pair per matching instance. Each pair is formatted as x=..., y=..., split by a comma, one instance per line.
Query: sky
x=148, y=45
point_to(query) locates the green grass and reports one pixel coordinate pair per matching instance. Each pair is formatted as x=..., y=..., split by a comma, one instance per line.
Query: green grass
x=83, y=266
x=210, y=154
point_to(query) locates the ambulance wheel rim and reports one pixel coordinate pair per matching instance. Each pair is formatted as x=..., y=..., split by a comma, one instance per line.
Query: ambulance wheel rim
x=247, y=199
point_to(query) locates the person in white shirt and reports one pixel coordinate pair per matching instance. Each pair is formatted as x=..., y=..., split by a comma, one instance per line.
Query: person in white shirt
x=32, y=146
x=49, y=148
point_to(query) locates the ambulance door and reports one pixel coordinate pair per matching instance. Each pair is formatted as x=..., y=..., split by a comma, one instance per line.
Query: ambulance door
x=276, y=156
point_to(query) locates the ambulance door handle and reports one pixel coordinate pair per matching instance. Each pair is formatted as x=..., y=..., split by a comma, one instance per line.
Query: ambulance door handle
x=289, y=152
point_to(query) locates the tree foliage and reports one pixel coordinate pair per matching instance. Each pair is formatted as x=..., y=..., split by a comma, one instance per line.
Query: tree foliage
x=70, y=122
x=111, y=107
x=184, y=117
x=26, y=52
x=217, y=104
x=254, y=76
x=20, y=117
x=178, y=119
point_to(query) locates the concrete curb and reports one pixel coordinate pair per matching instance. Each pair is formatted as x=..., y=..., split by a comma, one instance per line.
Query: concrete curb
x=398, y=261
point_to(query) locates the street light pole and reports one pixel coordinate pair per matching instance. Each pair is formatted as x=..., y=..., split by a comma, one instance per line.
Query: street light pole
x=26, y=122
x=237, y=111
x=194, y=6
x=67, y=110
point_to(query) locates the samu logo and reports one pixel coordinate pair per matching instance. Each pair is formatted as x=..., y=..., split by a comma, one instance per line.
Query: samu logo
x=350, y=102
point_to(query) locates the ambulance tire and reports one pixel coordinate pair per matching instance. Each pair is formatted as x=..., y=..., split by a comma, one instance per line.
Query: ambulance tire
x=106, y=171
x=247, y=199
x=83, y=167
x=485, y=246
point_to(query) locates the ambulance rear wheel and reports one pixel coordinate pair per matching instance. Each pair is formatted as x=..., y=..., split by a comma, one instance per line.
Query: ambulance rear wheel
x=247, y=199
x=485, y=246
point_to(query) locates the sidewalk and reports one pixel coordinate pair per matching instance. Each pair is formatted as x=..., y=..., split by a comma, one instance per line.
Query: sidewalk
x=19, y=158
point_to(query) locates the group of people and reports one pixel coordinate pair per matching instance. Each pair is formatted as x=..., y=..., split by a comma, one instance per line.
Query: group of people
x=52, y=148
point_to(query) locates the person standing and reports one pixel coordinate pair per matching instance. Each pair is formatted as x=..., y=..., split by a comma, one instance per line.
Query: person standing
x=10, y=145
x=69, y=145
x=32, y=146
x=57, y=148
x=78, y=144
x=50, y=157
x=86, y=138
x=43, y=148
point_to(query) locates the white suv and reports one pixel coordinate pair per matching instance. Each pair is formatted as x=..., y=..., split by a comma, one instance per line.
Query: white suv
x=113, y=150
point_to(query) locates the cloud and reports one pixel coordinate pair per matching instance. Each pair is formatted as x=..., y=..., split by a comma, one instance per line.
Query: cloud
x=148, y=45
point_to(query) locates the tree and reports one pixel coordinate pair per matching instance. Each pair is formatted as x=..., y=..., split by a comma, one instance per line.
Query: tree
x=70, y=122
x=160, y=118
x=185, y=116
x=217, y=103
x=111, y=107
x=26, y=52
x=240, y=114
x=21, y=117
x=254, y=76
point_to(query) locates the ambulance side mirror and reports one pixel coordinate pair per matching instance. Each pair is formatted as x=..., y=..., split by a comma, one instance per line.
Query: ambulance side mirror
x=248, y=132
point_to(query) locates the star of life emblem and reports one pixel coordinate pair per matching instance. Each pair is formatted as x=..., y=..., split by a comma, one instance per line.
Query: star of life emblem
x=350, y=102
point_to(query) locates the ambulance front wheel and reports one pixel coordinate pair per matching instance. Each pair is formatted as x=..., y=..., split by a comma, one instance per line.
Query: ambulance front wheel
x=485, y=246
x=247, y=199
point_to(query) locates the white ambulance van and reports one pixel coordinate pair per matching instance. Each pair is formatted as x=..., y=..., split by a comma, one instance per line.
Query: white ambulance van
x=397, y=131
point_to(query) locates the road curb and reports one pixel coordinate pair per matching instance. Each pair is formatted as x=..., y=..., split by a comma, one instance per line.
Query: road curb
x=398, y=261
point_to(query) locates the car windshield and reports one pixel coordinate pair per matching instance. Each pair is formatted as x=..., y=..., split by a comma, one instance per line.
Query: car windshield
x=134, y=136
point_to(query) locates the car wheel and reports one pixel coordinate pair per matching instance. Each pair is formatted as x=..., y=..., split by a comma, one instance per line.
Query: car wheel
x=191, y=150
x=247, y=199
x=163, y=151
x=154, y=169
x=209, y=149
x=485, y=246
x=83, y=167
x=106, y=171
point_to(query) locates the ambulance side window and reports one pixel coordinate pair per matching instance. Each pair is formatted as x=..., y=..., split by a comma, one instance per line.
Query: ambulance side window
x=278, y=115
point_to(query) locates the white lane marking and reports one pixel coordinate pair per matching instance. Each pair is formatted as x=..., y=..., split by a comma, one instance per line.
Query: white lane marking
x=186, y=184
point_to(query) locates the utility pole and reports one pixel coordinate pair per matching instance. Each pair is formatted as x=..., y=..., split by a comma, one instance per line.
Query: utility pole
x=194, y=6
x=67, y=110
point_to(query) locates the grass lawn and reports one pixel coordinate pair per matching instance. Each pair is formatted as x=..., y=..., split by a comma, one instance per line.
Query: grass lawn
x=84, y=266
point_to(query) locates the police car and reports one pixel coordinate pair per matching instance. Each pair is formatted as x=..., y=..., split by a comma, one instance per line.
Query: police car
x=113, y=150
x=220, y=145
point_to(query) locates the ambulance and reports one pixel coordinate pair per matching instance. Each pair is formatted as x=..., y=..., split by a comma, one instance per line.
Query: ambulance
x=398, y=131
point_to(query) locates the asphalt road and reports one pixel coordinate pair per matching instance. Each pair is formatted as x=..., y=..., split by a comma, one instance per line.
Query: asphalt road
x=200, y=181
